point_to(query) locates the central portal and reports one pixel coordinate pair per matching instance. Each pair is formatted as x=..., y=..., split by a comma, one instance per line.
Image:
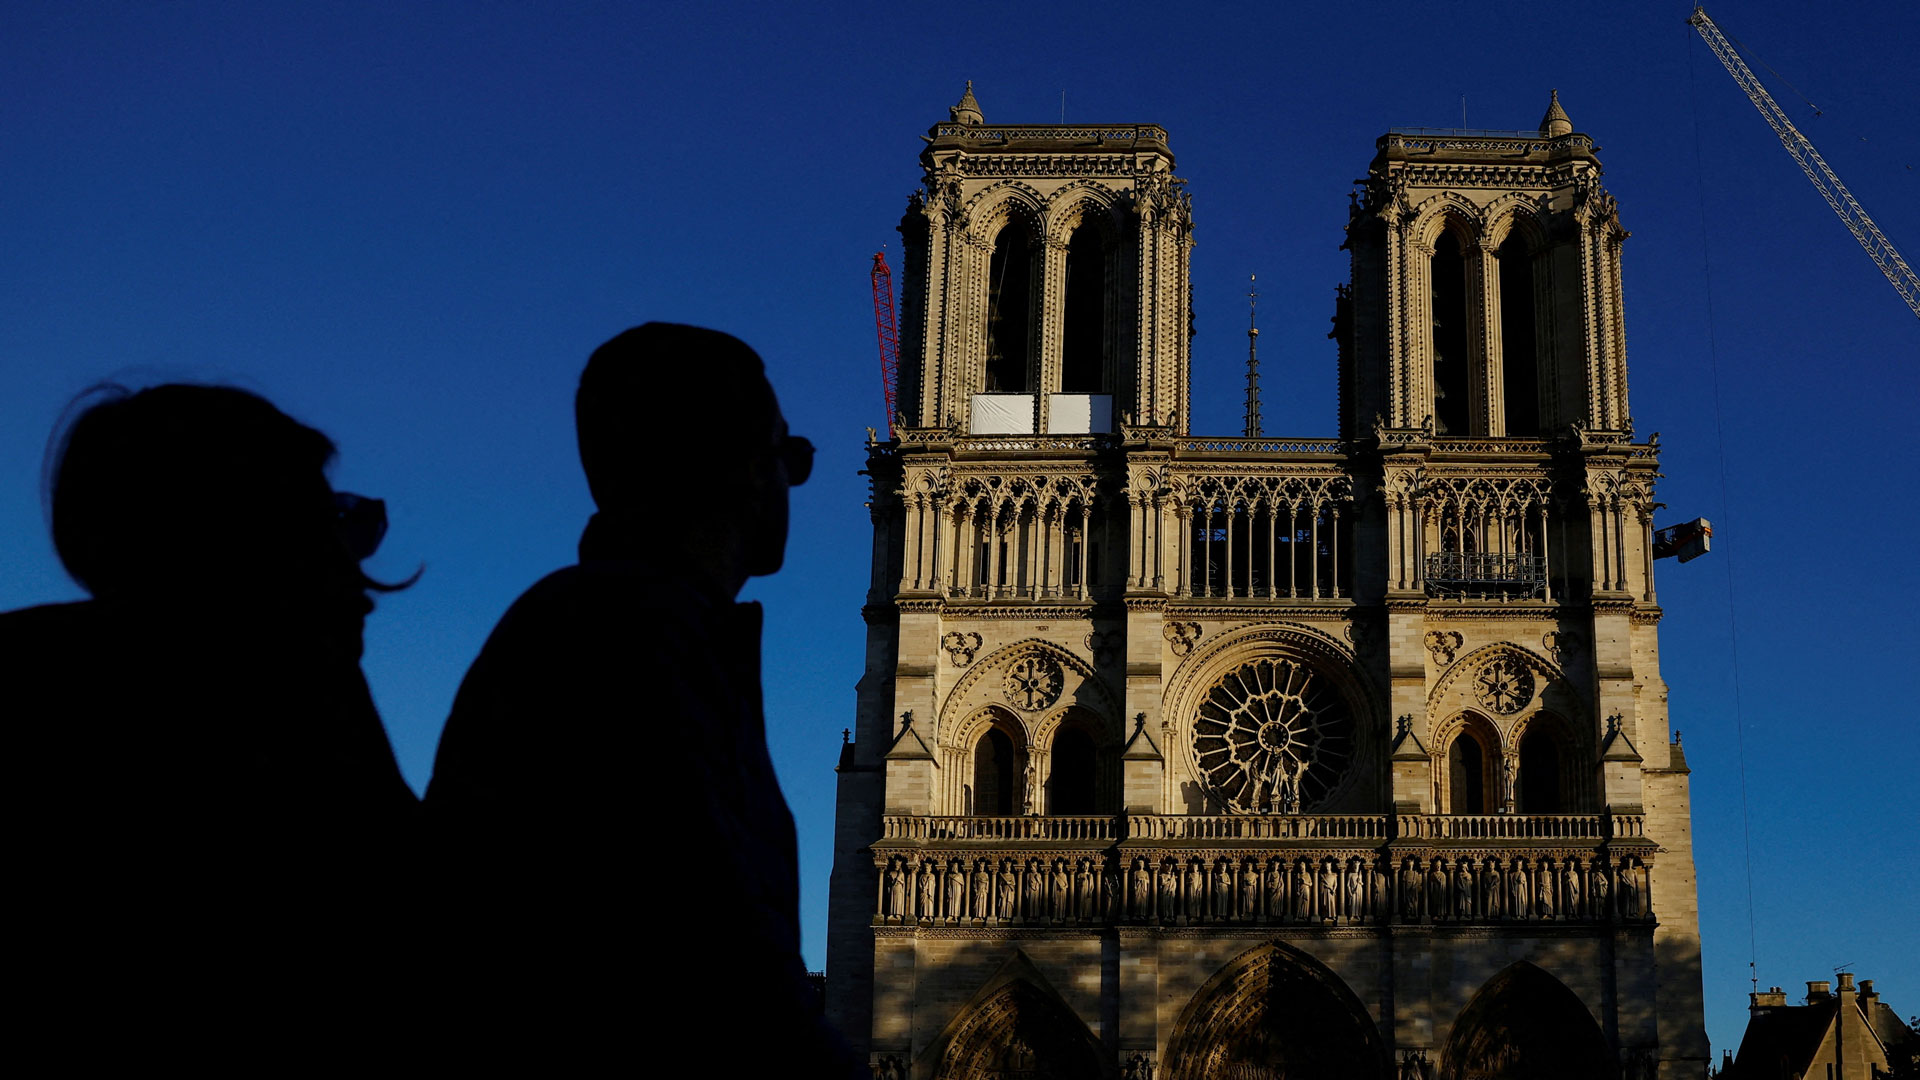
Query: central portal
x=1275, y=1014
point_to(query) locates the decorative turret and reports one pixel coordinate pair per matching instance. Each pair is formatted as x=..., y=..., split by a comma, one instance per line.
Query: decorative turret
x=1552, y=126
x=968, y=110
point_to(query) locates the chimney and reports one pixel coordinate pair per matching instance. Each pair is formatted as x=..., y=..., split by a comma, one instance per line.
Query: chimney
x=1767, y=999
x=1868, y=999
x=1846, y=983
x=1818, y=990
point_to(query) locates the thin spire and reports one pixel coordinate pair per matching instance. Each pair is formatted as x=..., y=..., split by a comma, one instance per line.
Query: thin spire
x=1253, y=363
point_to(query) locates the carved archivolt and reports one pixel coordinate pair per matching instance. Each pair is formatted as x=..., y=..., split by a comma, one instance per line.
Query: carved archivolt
x=1029, y=684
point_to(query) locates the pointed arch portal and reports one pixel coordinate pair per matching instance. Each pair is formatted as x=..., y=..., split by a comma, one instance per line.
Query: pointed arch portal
x=1523, y=1024
x=1275, y=1014
x=1021, y=1033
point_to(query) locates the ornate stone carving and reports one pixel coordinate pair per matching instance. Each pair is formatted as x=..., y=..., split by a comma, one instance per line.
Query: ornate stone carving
x=1560, y=644
x=1272, y=736
x=1504, y=685
x=1443, y=644
x=1183, y=636
x=960, y=647
x=1033, y=681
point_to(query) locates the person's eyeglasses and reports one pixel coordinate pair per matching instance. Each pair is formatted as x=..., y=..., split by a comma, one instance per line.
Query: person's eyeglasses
x=796, y=453
x=361, y=523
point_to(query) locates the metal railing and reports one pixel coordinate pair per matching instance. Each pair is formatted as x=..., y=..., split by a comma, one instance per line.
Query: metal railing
x=1454, y=573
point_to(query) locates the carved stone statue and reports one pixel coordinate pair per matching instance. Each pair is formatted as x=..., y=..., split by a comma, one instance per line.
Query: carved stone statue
x=982, y=888
x=1062, y=884
x=1087, y=889
x=1036, y=891
x=1222, y=891
x=1009, y=890
x=1517, y=890
x=1249, y=892
x=1196, y=890
x=956, y=890
x=928, y=892
x=1138, y=1067
x=1138, y=890
x=1601, y=892
x=1302, y=891
x=1543, y=891
x=1437, y=889
x=1463, y=890
x=1380, y=904
x=1169, y=906
x=1030, y=789
x=1574, y=874
x=1493, y=880
x=1276, y=889
x=1629, y=891
x=1329, y=891
x=1356, y=898
x=896, y=890
x=1409, y=891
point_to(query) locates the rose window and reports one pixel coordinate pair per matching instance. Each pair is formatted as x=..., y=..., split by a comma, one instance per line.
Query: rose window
x=1034, y=681
x=1273, y=737
x=1504, y=685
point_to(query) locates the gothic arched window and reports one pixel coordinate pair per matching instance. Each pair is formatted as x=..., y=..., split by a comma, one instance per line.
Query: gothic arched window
x=996, y=773
x=1010, y=311
x=1543, y=780
x=1519, y=362
x=1451, y=381
x=1071, y=783
x=1083, y=368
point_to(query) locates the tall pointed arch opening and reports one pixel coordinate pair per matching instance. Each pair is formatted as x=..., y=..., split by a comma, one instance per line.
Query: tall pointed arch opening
x=1525, y=1023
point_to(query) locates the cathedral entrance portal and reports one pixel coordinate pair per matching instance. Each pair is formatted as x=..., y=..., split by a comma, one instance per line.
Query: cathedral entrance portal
x=1275, y=1014
x=1524, y=1024
x=1020, y=1033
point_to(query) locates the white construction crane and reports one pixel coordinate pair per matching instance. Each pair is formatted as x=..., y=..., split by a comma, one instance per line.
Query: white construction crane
x=1852, y=214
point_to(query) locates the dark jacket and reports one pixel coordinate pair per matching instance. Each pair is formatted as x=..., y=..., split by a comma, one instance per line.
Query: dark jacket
x=604, y=786
x=206, y=820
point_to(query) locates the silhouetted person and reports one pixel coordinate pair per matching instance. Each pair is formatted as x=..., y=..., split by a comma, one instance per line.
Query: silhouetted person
x=623, y=850
x=203, y=806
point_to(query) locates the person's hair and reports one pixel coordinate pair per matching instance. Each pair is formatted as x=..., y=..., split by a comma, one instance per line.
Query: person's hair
x=664, y=385
x=150, y=487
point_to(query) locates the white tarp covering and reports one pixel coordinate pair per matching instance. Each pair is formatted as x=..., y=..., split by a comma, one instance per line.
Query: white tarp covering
x=1002, y=414
x=1079, y=414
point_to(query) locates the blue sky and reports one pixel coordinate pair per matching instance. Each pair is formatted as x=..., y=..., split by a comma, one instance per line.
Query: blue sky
x=409, y=224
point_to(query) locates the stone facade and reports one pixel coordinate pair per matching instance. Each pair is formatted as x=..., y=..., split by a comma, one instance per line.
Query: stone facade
x=1145, y=784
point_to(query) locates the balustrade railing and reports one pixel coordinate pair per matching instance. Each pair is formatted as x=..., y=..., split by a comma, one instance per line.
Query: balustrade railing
x=1257, y=827
x=1583, y=829
x=1455, y=573
x=1029, y=827
x=1263, y=446
x=1501, y=826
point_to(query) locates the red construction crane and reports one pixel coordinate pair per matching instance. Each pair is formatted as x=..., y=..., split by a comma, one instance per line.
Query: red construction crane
x=889, y=331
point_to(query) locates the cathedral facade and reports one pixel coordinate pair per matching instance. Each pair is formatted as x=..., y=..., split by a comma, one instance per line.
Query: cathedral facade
x=1144, y=784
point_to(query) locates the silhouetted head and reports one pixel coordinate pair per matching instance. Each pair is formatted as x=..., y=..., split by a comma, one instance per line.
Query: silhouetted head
x=679, y=420
x=212, y=502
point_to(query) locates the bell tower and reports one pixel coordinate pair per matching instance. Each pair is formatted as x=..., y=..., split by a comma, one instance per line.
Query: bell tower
x=1045, y=286
x=1486, y=286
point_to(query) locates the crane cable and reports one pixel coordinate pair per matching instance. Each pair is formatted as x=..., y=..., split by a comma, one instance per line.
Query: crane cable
x=1720, y=438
